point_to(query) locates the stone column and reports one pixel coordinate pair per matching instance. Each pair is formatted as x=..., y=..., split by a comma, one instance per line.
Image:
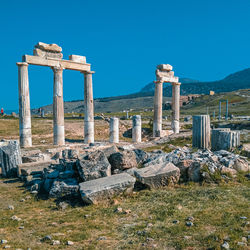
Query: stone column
x=201, y=131
x=219, y=110
x=58, y=109
x=24, y=106
x=88, y=108
x=157, y=124
x=226, y=109
x=136, y=129
x=114, y=130
x=176, y=107
x=223, y=138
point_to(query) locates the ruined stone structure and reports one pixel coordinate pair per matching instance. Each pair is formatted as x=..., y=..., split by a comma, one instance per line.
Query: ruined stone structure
x=114, y=130
x=164, y=73
x=224, y=138
x=136, y=129
x=50, y=55
x=201, y=131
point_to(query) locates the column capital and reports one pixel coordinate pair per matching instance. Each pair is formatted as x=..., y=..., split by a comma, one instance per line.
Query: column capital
x=87, y=72
x=22, y=64
x=57, y=69
x=175, y=83
x=158, y=81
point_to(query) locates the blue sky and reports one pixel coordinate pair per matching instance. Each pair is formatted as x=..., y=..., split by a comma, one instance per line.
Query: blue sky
x=124, y=41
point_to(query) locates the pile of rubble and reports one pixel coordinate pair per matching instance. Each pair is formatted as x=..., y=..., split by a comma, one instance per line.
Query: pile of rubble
x=97, y=173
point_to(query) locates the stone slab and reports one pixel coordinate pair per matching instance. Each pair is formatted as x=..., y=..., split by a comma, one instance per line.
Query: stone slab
x=32, y=168
x=95, y=191
x=76, y=58
x=165, y=67
x=158, y=175
x=49, y=47
x=46, y=54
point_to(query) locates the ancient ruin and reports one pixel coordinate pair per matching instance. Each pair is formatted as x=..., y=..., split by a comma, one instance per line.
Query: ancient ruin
x=164, y=74
x=50, y=55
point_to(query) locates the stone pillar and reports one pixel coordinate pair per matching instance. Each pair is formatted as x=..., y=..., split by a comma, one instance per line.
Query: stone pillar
x=114, y=130
x=176, y=107
x=157, y=124
x=219, y=110
x=58, y=109
x=24, y=106
x=136, y=130
x=226, y=109
x=201, y=131
x=223, y=138
x=88, y=108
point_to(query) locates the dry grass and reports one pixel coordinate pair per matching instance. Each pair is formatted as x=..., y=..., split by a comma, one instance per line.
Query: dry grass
x=216, y=211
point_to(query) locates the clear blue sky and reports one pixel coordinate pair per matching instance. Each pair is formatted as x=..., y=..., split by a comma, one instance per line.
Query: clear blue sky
x=124, y=41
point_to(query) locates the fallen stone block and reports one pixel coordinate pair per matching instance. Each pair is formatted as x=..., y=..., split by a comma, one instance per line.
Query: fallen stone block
x=123, y=160
x=67, y=187
x=158, y=175
x=33, y=168
x=10, y=157
x=95, y=191
x=93, y=166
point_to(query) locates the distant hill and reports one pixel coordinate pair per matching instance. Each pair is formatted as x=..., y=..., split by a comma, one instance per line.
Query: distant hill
x=144, y=98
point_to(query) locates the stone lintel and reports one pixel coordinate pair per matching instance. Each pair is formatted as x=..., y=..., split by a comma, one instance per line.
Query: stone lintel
x=175, y=83
x=66, y=64
x=168, y=79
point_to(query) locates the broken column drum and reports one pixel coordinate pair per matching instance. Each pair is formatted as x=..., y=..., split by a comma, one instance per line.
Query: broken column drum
x=176, y=107
x=114, y=130
x=24, y=106
x=58, y=110
x=201, y=131
x=224, y=138
x=164, y=73
x=136, y=129
x=88, y=108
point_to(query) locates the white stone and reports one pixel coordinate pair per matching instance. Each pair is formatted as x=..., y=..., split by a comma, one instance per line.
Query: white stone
x=165, y=67
x=76, y=58
x=136, y=130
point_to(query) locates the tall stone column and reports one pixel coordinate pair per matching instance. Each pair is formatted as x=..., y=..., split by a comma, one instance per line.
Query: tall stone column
x=176, y=107
x=136, y=129
x=24, y=106
x=114, y=130
x=201, y=131
x=58, y=109
x=88, y=108
x=157, y=124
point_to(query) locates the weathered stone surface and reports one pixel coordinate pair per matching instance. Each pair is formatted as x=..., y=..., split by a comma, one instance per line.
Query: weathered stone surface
x=158, y=175
x=141, y=156
x=65, y=187
x=194, y=172
x=76, y=58
x=33, y=168
x=241, y=165
x=110, y=150
x=95, y=191
x=123, y=160
x=34, y=156
x=223, y=138
x=93, y=166
x=47, y=54
x=10, y=157
x=183, y=166
x=165, y=67
x=70, y=154
x=49, y=47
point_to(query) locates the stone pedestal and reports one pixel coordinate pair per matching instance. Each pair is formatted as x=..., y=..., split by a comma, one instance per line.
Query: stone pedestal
x=58, y=109
x=223, y=138
x=24, y=106
x=176, y=107
x=201, y=131
x=157, y=124
x=88, y=108
x=136, y=129
x=114, y=130
x=10, y=157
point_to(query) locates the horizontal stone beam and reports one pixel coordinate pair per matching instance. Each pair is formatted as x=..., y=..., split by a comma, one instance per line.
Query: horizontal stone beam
x=53, y=62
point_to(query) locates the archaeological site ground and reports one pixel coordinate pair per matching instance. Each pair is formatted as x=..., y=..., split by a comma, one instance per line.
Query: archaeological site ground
x=171, y=173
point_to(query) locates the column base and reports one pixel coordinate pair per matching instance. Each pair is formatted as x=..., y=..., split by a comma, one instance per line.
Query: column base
x=59, y=136
x=25, y=138
x=176, y=126
x=89, y=132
